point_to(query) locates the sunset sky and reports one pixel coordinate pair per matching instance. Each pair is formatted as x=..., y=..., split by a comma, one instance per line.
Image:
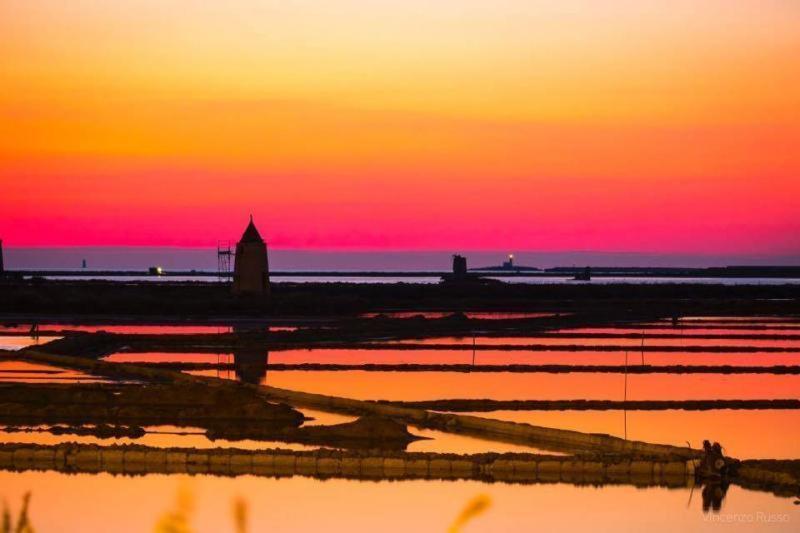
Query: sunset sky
x=617, y=125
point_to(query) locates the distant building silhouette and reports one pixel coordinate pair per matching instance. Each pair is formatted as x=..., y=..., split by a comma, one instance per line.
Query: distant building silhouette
x=2, y=265
x=507, y=266
x=251, y=268
x=460, y=272
x=586, y=275
x=459, y=266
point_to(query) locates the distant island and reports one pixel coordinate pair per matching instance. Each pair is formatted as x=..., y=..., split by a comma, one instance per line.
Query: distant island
x=507, y=266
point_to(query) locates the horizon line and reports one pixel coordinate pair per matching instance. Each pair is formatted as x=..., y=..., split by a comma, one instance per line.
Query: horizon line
x=502, y=251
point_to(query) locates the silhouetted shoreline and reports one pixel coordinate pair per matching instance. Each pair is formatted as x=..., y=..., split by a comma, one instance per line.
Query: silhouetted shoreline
x=205, y=299
x=789, y=272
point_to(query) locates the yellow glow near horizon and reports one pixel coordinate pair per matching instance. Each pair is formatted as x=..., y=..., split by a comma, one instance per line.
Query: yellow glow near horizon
x=689, y=103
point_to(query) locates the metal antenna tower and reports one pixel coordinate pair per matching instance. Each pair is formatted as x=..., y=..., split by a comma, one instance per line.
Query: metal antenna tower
x=224, y=261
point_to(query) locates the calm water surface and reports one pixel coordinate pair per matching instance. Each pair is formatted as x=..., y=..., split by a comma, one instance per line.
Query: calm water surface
x=18, y=342
x=24, y=372
x=632, y=343
x=465, y=357
x=104, y=502
x=687, y=332
x=516, y=386
x=193, y=437
x=745, y=434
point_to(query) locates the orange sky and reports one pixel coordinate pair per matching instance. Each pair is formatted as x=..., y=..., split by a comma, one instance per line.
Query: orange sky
x=525, y=124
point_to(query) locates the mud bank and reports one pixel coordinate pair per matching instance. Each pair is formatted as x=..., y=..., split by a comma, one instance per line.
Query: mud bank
x=100, y=431
x=368, y=465
x=518, y=468
x=526, y=434
x=224, y=412
x=367, y=432
x=205, y=300
x=148, y=404
x=779, y=476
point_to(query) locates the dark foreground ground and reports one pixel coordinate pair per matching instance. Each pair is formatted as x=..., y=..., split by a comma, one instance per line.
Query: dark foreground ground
x=203, y=300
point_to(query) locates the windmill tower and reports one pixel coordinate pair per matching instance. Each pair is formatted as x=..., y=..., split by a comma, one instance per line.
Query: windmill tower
x=251, y=268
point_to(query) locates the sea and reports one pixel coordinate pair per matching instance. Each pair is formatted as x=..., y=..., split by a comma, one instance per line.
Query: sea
x=179, y=259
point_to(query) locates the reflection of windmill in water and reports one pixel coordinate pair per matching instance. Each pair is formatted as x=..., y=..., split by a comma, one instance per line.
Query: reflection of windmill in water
x=250, y=364
x=250, y=361
x=625, y=397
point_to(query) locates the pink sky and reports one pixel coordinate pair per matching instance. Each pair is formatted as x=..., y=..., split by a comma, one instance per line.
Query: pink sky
x=520, y=125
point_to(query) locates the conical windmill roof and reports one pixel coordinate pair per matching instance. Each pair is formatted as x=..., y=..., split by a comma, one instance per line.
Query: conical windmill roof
x=251, y=233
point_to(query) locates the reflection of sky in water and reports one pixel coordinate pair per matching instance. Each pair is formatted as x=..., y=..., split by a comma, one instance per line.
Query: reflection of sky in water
x=192, y=437
x=745, y=434
x=538, y=386
x=25, y=372
x=482, y=315
x=737, y=318
x=465, y=357
x=14, y=343
x=633, y=343
x=59, y=503
x=685, y=332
